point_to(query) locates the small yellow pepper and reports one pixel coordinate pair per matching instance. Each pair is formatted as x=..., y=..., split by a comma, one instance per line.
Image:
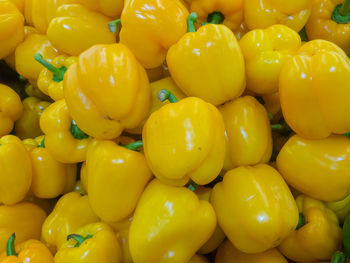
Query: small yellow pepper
x=112, y=8
x=318, y=234
x=341, y=208
x=165, y=212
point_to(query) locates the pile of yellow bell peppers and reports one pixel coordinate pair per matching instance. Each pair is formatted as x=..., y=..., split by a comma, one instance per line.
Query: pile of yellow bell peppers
x=174, y=131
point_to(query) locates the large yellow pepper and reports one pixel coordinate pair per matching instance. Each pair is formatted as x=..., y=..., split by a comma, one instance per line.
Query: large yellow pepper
x=71, y=212
x=312, y=91
x=118, y=98
x=164, y=212
x=318, y=168
x=191, y=65
x=75, y=28
x=248, y=131
x=64, y=140
x=265, y=51
x=341, y=208
x=185, y=140
x=112, y=8
x=92, y=243
x=50, y=80
x=251, y=214
x=11, y=109
x=151, y=27
x=318, y=234
x=24, y=219
x=227, y=253
x=265, y=13
x=27, y=126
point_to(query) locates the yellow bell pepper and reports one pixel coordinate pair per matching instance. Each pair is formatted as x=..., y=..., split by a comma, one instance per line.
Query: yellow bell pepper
x=341, y=208
x=32, y=90
x=63, y=138
x=125, y=100
x=11, y=31
x=71, y=212
x=318, y=234
x=185, y=140
x=92, y=243
x=165, y=212
x=11, y=109
x=112, y=8
x=248, y=131
x=255, y=208
x=318, y=168
x=79, y=188
x=24, y=219
x=265, y=51
x=191, y=63
x=27, y=126
x=265, y=13
x=227, y=253
x=151, y=27
x=75, y=28
x=198, y=259
x=312, y=91
x=50, y=80
x=19, y=4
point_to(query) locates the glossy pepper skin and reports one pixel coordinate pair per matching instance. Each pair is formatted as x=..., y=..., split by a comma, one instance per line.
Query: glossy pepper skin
x=249, y=212
x=308, y=166
x=318, y=239
x=162, y=212
x=101, y=246
x=150, y=28
x=11, y=109
x=185, y=140
x=125, y=100
x=191, y=65
x=111, y=8
x=265, y=13
x=227, y=253
x=265, y=51
x=27, y=126
x=248, y=131
x=341, y=208
x=63, y=138
x=312, y=91
x=11, y=221
x=71, y=212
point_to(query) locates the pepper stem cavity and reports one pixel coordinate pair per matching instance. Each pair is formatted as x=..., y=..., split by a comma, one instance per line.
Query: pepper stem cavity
x=134, y=145
x=76, y=132
x=338, y=257
x=58, y=73
x=165, y=94
x=80, y=239
x=216, y=18
x=341, y=13
x=301, y=221
x=192, y=18
x=10, y=246
x=114, y=25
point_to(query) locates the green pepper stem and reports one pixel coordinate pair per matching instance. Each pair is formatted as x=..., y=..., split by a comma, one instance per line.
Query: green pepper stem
x=303, y=35
x=345, y=7
x=42, y=143
x=76, y=132
x=282, y=128
x=114, y=25
x=10, y=246
x=134, y=145
x=338, y=257
x=80, y=239
x=192, y=18
x=216, y=18
x=341, y=13
x=192, y=186
x=301, y=221
x=269, y=114
x=347, y=134
x=58, y=73
x=165, y=94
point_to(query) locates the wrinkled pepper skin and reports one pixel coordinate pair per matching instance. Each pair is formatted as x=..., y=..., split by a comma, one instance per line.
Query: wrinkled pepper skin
x=75, y=28
x=162, y=212
x=102, y=247
x=15, y=170
x=312, y=91
x=250, y=213
x=265, y=13
x=191, y=65
x=341, y=208
x=248, y=131
x=112, y=8
x=265, y=51
x=61, y=141
x=27, y=126
x=125, y=100
x=185, y=140
x=71, y=212
x=11, y=31
x=150, y=28
x=318, y=239
x=11, y=109
x=309, y=166
x=227, y=253
x=12, y=221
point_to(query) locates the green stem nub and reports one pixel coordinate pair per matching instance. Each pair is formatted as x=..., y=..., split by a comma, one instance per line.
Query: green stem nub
x=76, y=132
x=10, y=247
x=216, y=18
x=347, y=134
x=303, y=35
x=192, y=186
x=114, y=25
x=341, y=13
x=80, y=239
x=134, y=145
x=282, y=128
x=42, y=143
x=192, y=18
x=301, y=221
x=58, y=73
x=338, y=257
x=165, y=94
